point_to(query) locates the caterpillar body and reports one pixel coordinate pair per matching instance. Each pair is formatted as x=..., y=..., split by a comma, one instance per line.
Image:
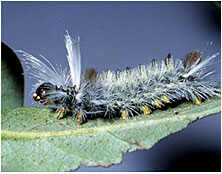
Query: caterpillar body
x=125, y=93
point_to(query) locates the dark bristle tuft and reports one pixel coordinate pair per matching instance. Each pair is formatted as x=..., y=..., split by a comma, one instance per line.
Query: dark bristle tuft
x=90, y=75
x=192, y=59
x=168, y=59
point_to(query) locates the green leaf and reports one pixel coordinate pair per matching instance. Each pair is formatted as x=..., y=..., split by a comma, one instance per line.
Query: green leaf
x=33, y=140
x=216, y=4
x=12, y=80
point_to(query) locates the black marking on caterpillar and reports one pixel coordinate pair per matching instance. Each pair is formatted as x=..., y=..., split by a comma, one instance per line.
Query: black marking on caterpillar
x=136, y=90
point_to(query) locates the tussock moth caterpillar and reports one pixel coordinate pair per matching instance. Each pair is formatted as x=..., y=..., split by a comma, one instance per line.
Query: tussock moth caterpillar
x=130, y=92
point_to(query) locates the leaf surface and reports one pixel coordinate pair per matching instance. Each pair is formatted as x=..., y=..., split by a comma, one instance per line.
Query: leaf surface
x=33, y=140
x=12, y=80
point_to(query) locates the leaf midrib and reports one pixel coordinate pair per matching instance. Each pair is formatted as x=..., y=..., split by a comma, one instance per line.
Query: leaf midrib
x=38, y=135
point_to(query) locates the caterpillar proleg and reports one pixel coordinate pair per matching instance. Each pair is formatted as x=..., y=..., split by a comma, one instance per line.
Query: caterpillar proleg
x=134, y=91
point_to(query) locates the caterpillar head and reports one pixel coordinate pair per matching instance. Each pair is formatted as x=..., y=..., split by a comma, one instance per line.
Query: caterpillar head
x=50, y=94
x=42, y=93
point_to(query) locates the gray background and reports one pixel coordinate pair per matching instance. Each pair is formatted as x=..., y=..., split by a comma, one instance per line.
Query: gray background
x=119, y=34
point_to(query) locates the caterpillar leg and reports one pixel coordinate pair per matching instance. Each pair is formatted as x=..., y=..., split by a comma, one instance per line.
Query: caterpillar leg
x=47, y=103
x=165, y=98
x=60, y=113
x=145, y=109
x=197, y=100
x=157, y=103
x=79, y=118
x=124, y=114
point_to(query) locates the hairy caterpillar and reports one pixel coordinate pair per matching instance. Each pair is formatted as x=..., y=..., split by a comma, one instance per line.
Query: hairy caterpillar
x=126, y=93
